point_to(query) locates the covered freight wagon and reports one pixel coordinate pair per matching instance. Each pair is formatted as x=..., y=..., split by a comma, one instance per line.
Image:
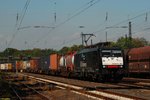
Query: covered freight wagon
x=139, y=60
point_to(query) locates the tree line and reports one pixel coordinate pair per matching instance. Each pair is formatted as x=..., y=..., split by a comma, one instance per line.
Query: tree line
x=122, y=42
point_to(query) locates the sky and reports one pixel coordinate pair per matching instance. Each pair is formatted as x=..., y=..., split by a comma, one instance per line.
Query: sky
x=28, y=24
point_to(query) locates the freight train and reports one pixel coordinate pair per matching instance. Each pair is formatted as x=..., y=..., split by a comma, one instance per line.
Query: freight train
x=93, y=63
x=97, y=62
x=138, y=60
x=101, y=64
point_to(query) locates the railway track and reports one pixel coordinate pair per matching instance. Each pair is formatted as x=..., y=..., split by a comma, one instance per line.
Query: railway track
x=22, y=89
x=136, y=80
x=92, y=92
x=27, y=89
x=135, y=83
x=16, y=93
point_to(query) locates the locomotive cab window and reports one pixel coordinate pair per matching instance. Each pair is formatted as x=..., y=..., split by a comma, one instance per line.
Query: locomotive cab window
x=116, y=53
x=83, y=57
x=106, y=53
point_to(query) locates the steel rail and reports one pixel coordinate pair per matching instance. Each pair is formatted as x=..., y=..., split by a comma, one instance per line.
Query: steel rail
x=95, y=93
x=16, y=93
x=40, y=95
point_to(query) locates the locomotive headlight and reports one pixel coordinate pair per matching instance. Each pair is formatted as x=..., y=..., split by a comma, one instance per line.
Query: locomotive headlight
x=121, y=66
x=104, y=66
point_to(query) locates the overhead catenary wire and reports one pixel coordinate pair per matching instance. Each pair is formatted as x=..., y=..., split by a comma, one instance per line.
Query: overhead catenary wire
x=83, y=6
x=96, y=32
x=24, y=12
x=87, y=6
x=17, y=18
x=55, y=14
x=19, y=21
x=78, y=13
x=135, y=17
x=73, y=17
x=124, y=21
x=146, y=15
x=135, y=32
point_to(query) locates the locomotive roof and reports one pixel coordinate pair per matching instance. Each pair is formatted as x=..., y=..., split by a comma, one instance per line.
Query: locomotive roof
x=87, y=50
x=112, y=48
x=95, y=49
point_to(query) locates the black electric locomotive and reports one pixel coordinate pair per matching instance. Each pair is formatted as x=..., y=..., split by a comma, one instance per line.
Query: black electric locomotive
x=100, y=63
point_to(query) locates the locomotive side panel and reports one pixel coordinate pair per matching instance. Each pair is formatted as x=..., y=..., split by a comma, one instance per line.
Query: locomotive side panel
x=86, y=61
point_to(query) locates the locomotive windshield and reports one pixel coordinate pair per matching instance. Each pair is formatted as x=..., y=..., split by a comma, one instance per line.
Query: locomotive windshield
x=106, y=53
x=110, y=53
x=116, y=53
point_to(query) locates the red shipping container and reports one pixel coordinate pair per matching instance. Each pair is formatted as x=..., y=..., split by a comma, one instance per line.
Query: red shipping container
x=18, y=65
x=34, y=64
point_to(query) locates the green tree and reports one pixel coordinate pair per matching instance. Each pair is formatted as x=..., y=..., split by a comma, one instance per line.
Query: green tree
x=124, y=43
x=46, y=52
x=9, y=52
x=121, y=42
x=75, y=48
x=139, y=42
x=64, y=50
x=36, y=52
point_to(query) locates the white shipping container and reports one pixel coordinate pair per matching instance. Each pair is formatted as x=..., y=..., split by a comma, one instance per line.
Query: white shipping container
x=24, y=64
x=28, y=64
x=62, y=61
x=2, y=66
x=9, y=66
x=6, y=66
